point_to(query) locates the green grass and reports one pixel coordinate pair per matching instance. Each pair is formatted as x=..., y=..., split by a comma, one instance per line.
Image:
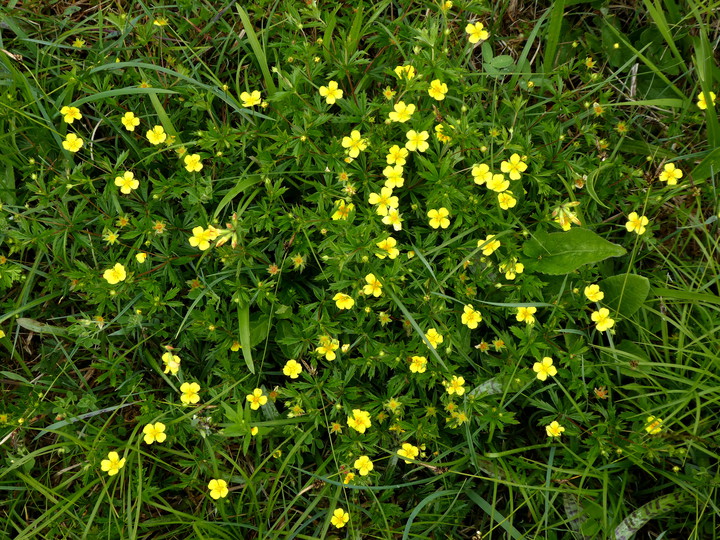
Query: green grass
x=597, y=98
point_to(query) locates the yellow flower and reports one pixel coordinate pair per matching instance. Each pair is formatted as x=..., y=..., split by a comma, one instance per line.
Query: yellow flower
x=79, y=43
x=384, y=201
x=434, y=337
x=498, y=183
x=393, y=218
x=116, y=274
x=72, y=143
x=408, y=452
x=156, y=135
x=636, y=223
x=488, y=245
x=339, y=518
x=476, y=32
x=437, y=90
x=343, y=210
x=328, y=347
x=250, y=99
x=292, y=369
x=171, y=362
x=343, y=301
x=397, y=155
x=417, y=141
x=160, y=21
x=130, y=121
x=593, y=293
x=218, y=489
x=389, y=93
x=702, y=101
x=602, y=319
x=112, y=464
x=418, y=364
x=70, y=114
x=455, y=385
x=439, y=218
x=254, y=430
x=141, y=257
x=545, y=368
x=373, y=287
x=440, y=133
x=653, y=425
x=402, y=112
x=256, y=399
x=2, y=334
x=471, y=317
x=127, y=182
x=554, y=429
x=514, y=167
x=670, y=174
x=359, y=421
x=394, y=175
x=331, y=92
x=201, y=238
x=190, y=393
x=154, y=433
x=354, y=143
x=349, y=477
x=526, y=314
x=481, y=174
x=388, y=245
x=589, y=62
x=407, y=72
x=364, y=465
x=506, y=200
x=193, y=163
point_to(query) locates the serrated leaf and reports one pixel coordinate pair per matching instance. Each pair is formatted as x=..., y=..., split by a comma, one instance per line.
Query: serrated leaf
x=626, y=293
x=565, y=252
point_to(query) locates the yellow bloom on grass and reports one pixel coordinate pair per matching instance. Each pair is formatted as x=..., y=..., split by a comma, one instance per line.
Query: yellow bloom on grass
x=130, y=121
x=388, y=246
x=171, y=362
x=439, y=218
x=2, y=334
x=394, y=175
x=156, y=135
x=393, y=218
x=497, y=183
x=440, y=133
x=506, y=200
x=339, y=518
x=354, y=143
x=471, y=317
x=418, y=364
x=481, y=174
x=488, y=245
x=70, y=114
x=154, y=433
x=389, y=93
x=190, y=393
x=476, y=32
x=397, y=155
x=112, y=464
x=116, y=274
x=359, y=421
x=545, y=368
x=72, y=143
x=408, y=452
x=218, y=489
x=402, y=112
x=602, y=319
x=364, y=465
x=141, y=257
x=292, y=369
x=512, y=268
x=79, y=43
x=670, y=174
x=384, y=201
x=373, y=286
x=256, y=399
x=437, y=90
x=201, y=238
x=405, y=72
x=251, y=99
x=554, y=429
x=653, y=425
x=343, y=301
x=702, y=100
x=636, y=223
x=455, y=385
x=593, y=293
x=343, y=210
x=526, y=314
x=193, y=163
x=434, y=337
x=514, y=167
x=127, y=182
x=417, y=141
x=331, y=92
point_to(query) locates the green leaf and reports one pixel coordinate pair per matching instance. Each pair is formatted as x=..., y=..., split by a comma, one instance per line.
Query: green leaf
x=635, y=521
x=564, y=252
x=626, y=293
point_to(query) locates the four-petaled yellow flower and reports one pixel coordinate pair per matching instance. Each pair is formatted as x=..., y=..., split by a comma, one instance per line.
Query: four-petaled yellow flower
x=384, y=201
x=515, y=167
x=481, y=174
x=364, y=465
x=476, y=32
x=339, y=518
x=171, y=362
x=218, y=489
x=193, y=163
x=402, y=112
x=70, y=114
x=394, y=175
x=127, y=182
x=417, y=141
x=636, y=223
x=488, y=245
x=359, y=421
x=112, y=464
x=653, y=425
x=388, y=246
x=602, y=319
x=156, y=135
x=116, y=274
x=397, y=155
x=498, y=183
x=506, y=200
x=190, y=393
x=434, y=337
x=251, y=99
x=256, y=399
x=455, y=385
x=331, y=92
x=154, y=433
x=702, y=100
x=343, y=301
x=407, y=72
x=439, y=218
x=545, y=368
x=554, y=429
x=201, y=238
x=437, y=90
x=354, y=143
x=408, y=452
x=526, y=314
x=292, y=369
x=471, y=317
x=130, y=121
x=72, y=143
x=373, y=287
x=418, y=364
x=593, y=293
x=670, y=174
x=328, y=346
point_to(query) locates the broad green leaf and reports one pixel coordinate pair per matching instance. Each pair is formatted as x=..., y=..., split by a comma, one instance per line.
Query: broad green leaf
x=564, y=252
x=626, y=293
x=635, y=521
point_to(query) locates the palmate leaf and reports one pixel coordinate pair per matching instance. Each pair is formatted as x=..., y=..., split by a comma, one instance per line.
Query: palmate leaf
x=635, y=521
